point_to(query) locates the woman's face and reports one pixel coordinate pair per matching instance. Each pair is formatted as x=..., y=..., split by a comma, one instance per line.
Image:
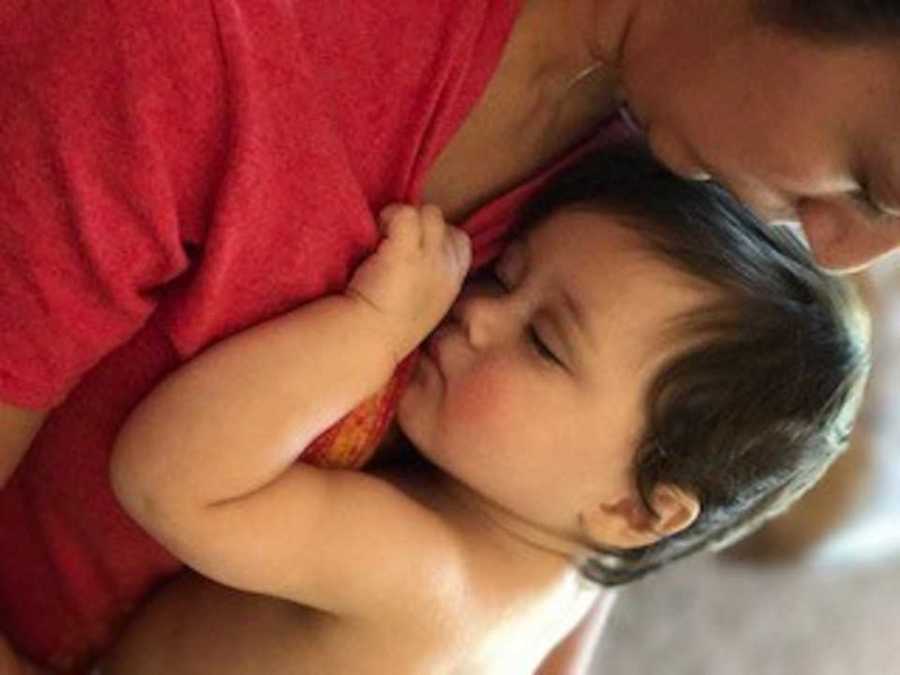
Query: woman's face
x=800, y=131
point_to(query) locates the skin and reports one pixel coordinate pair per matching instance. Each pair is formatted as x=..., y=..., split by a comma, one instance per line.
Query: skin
x=18, y=427
x=799, y=130
x=571, y=317
x=788, y=159
x=13, y=664
x=477, y=577
x=794, y=128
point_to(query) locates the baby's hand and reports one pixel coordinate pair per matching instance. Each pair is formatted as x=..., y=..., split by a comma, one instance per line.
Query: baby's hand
x=414, y=276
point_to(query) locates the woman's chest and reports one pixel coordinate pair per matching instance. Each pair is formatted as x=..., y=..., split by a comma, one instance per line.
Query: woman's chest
x=478, y=164
x=507, y=138
x=489, y=156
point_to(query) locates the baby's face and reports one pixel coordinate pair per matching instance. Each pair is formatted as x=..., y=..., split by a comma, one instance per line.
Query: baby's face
x=531, y=391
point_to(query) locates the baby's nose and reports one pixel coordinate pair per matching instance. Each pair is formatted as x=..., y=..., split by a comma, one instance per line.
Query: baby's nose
x=479, y=318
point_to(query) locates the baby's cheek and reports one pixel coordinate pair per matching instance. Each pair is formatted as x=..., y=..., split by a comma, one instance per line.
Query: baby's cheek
x=483, y=401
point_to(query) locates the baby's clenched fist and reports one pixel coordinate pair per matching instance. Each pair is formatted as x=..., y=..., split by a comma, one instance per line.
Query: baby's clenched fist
x=415, y=274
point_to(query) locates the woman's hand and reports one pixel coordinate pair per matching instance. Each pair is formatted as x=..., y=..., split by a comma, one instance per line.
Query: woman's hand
x=414, y=276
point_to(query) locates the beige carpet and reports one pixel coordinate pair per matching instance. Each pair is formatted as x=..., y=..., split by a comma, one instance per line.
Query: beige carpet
x=716, y=618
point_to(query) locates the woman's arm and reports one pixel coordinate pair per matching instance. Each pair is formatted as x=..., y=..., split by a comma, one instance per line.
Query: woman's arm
x=205, y=462
x=13, y=664
x=18, y=427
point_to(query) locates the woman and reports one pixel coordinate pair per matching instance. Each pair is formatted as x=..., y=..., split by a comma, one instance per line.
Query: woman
x=174, y=173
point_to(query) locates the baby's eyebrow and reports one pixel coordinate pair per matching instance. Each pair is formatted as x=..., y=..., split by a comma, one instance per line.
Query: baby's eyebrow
x=577, y=316
x=573, y=310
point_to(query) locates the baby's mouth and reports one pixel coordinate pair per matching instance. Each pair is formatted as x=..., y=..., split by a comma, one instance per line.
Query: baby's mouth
x=432, y=344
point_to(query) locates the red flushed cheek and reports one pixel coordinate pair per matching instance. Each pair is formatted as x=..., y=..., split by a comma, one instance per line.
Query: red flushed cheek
x=482, y=400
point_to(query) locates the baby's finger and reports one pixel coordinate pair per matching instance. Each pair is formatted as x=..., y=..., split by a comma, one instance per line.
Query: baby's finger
x=434, y=226
x=390, y=211
x=398, y=221
x=460, y=248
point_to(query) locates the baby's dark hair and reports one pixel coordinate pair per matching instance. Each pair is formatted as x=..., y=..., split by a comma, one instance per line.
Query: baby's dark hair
x=834, y=20
x=761, y=391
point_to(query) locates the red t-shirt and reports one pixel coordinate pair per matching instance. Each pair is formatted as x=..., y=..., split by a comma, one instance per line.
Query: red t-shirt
x=173, y=172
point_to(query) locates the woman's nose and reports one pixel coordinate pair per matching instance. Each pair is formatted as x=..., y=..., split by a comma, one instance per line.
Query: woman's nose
x=844, y=239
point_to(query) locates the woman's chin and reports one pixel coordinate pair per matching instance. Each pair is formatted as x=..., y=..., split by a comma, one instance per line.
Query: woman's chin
x=676, y=156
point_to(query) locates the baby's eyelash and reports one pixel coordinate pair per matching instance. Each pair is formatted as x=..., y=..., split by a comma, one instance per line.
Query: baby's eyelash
x=533, y=337
x=541, y=347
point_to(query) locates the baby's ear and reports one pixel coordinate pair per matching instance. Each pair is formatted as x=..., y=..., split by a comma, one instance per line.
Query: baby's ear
x=628, y=524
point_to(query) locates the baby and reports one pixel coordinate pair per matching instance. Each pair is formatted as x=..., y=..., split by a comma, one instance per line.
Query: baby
x=643, y=374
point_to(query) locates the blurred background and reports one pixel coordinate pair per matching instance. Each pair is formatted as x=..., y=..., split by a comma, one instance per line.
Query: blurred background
x=817, y=592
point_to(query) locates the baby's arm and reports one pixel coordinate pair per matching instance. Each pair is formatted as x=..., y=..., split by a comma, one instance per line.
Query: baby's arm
x=207, y=462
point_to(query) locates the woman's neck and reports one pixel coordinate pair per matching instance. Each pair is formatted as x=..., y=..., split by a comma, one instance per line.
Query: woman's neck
x=555, y=83
x=562, y=71
x=560, y=41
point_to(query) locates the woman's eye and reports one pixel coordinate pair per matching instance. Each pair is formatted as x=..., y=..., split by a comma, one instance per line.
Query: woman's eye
x=864, y=198
x=865, y=201
x=541, y=347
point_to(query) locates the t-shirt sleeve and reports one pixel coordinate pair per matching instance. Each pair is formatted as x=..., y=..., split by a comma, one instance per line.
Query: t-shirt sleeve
x=94, y=129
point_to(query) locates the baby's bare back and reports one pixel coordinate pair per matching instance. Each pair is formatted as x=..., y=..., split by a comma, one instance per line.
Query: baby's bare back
x=196, y=627
x=488, y=605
